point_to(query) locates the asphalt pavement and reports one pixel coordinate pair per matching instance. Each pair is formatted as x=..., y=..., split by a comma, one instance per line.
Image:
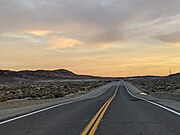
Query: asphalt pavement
x=115, y=112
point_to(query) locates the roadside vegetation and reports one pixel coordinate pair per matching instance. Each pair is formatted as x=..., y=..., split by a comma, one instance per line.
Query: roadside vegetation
x=45, y=89
x=168, y=88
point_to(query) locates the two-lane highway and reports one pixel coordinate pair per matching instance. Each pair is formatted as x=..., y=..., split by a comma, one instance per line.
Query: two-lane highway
x=114, y=112
x=68, y=119
x=130, y=116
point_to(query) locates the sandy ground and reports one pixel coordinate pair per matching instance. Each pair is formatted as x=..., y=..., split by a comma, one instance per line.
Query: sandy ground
x=24, y=102
x=14, y=108
x=160, y=95
x=174, y=104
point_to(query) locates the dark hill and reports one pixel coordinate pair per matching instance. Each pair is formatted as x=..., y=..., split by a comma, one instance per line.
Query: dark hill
x=6, y=75
x=177, y=75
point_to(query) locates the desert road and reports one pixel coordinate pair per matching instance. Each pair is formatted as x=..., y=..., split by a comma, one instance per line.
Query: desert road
x=115, y=112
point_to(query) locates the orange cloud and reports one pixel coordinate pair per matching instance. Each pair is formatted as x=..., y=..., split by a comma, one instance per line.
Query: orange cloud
x=177, y=44
x=101, y=46
x=62, y=42
x=38, y=32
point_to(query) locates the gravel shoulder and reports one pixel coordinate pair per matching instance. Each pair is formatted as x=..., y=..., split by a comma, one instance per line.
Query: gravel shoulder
x=174, y=104
x=13, y=108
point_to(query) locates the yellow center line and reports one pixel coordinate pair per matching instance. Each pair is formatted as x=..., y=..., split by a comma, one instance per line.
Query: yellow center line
x=87, y=128
x=97, y=118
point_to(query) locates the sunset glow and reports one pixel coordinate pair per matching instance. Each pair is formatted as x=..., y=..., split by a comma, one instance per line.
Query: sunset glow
x=97, y=37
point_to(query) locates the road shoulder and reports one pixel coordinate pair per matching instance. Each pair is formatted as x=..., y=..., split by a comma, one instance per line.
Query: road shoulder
x=175, y=105
x=14, y=112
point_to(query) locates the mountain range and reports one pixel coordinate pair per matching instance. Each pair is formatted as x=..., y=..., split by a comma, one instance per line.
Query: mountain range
x=7, y=75
x=28, y=75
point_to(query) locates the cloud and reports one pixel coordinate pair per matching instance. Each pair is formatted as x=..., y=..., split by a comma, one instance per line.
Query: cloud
x=169, y=38
x=38, y=32
x=91, y=22
x=21, y=36
x=61, y=43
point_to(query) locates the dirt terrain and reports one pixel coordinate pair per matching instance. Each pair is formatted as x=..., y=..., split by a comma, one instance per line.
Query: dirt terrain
x=168, y=88
x=18, y=94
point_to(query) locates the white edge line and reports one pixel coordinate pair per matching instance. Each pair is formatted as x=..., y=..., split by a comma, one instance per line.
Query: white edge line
x=154, y=103
x=54, y=106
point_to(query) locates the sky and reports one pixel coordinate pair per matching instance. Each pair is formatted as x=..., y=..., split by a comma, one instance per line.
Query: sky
x=95, y=37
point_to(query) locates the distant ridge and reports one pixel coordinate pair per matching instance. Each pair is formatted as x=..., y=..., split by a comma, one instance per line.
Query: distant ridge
x=7, y=75
x=28, y=75
x=143, y=77
x=176, y=75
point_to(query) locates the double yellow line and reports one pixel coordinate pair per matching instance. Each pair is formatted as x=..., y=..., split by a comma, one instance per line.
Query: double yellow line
x=95, y=121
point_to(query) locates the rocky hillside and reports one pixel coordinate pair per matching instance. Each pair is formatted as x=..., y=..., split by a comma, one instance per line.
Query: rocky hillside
x=6, y=75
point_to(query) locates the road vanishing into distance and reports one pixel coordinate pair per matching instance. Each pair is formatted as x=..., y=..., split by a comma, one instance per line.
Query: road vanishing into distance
x=115, y=112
